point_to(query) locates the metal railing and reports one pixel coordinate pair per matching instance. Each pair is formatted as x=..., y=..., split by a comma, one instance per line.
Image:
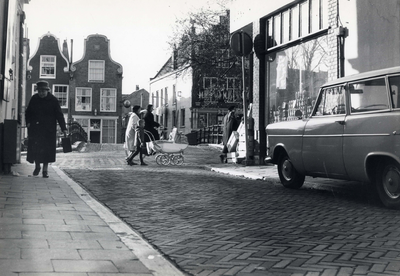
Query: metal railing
x=76, y=132
x=207, y=135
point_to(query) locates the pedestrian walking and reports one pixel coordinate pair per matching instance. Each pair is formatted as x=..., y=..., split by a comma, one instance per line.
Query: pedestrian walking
x=230, y=123
x=42, y=115
x=150, y=124
x=130, y=133
x=140, y=144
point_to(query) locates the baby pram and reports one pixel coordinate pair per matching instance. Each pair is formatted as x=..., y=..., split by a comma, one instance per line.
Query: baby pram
x=168, y=151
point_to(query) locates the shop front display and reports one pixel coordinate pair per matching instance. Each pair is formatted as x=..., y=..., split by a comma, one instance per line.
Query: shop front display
x=295, y=76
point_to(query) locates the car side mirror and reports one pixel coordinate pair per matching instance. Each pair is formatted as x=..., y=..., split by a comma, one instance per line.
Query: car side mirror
x=298, y=114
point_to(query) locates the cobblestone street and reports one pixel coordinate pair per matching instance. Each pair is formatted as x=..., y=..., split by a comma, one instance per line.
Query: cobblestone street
x=209, y=223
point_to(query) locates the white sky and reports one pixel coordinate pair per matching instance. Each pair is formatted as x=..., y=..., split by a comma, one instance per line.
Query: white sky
x=138, y=30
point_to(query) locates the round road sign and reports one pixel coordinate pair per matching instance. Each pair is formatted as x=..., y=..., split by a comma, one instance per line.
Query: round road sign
x=241, y=43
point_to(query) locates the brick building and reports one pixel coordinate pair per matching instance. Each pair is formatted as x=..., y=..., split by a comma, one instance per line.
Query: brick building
x=96, y=92
x=51, y=63
x=191, y=95
x=298, y=45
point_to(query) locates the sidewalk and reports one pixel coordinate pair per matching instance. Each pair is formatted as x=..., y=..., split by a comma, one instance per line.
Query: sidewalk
x=252, y=172
x=53, y=227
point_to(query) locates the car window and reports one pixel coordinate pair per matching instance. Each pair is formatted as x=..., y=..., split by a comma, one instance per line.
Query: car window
x=369, y=95
x=331, y=102
x=394, y=84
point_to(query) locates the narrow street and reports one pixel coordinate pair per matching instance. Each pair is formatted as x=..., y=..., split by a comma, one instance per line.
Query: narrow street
x=209, y=223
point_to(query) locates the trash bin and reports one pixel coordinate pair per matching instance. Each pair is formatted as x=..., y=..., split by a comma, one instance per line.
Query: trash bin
x=192, y=138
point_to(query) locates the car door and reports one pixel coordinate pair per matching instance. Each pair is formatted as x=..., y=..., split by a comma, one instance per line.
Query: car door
x=322, y=150
x=370, y=125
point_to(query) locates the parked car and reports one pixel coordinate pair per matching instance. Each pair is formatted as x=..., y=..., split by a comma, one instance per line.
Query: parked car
x=353, y=133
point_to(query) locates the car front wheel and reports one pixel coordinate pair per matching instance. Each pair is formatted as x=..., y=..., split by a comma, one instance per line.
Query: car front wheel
x=388, y=184
x=289, y=176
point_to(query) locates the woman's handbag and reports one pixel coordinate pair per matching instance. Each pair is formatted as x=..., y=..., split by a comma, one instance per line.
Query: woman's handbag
x=66, y=144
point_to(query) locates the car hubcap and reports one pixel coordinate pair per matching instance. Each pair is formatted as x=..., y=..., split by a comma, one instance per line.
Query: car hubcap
x=391, y=181
x=287, y=170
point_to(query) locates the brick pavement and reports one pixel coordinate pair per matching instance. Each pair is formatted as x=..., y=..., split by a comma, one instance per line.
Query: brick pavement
x=216, y=224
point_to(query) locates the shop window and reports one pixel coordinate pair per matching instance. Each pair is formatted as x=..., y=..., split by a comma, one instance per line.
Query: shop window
x=61, y=93
x=294, y=79
x=48, y=67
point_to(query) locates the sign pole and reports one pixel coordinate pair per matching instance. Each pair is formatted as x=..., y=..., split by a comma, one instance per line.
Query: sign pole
x=241, y=45
x=244, y=99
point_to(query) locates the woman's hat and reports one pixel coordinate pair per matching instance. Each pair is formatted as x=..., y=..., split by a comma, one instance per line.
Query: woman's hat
x=135, y=108
x=43, y=85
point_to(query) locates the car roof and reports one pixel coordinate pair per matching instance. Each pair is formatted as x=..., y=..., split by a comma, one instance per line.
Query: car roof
x=365, y=75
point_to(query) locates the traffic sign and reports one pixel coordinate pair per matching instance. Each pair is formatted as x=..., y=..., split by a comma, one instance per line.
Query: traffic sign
x=241, y=43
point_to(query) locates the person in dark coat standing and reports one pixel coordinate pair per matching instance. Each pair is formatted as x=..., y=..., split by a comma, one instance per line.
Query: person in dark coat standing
x=150, y=124
x=42, y=114
x=230, y=123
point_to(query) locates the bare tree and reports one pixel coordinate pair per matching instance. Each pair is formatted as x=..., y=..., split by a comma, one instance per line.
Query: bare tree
x=202, y=39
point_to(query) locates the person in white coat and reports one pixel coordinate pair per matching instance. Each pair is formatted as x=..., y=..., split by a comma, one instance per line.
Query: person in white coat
x=130, y=133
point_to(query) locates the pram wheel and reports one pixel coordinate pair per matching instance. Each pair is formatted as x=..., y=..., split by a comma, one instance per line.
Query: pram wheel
x=177, y=160
x=162, y=159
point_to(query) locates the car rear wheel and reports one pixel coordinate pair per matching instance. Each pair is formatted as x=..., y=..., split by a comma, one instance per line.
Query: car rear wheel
x=388, y=184
x=289, y=176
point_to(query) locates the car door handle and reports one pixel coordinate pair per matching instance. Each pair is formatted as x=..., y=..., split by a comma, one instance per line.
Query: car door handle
x=340, y=122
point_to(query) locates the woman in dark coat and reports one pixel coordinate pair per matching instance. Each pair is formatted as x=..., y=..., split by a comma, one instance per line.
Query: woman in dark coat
x=42, y=114
x=150, y=124
x=230, y=123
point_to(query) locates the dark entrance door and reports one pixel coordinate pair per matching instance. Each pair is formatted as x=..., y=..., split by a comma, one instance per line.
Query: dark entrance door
x=95, y=137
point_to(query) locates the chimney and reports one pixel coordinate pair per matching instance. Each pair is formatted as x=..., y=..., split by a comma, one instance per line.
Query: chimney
x=137, y=87
x=174, y=58
x=65, y=49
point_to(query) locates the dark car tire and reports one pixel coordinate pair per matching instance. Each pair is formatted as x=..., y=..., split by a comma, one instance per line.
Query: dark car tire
x=289, y=176
x=388, y=184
